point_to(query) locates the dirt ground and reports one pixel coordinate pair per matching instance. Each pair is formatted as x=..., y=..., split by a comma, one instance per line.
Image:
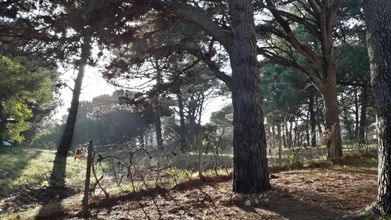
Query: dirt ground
x=334, y=193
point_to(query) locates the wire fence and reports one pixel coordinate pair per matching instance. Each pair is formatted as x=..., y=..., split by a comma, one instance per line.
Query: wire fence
x=130, y=167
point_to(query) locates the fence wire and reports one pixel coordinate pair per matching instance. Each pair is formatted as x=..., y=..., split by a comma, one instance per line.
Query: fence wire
x=130, y=167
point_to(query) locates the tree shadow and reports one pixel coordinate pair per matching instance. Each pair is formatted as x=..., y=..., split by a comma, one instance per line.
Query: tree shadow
x=56, y=191
x=14, y=161
x=357, y=171
x=292, y=206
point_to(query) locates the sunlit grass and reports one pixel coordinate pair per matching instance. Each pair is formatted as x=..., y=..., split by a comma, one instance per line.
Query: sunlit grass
x=33, y=166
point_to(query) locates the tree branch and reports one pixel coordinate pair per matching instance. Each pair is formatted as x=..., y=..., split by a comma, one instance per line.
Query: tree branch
x=305, y=50
x=195, y=15
x=212, y=65
x=284, y=61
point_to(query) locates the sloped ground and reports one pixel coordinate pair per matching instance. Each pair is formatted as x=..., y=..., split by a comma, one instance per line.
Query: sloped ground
x=333, y=193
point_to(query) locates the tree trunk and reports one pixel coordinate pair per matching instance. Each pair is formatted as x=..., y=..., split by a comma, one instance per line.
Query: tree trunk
x=273, y=142
x=319, y=117
x=158, y=124
x=285, y=131
x=3, y=126
x=334, y=146
x=199, y=142
x=250, y=161
x=346, y=119
x=158, y=129
x=307, y=132
x=279, y=143
x=356, y=113
x=285, y=136
x=182, y=130
x=192, y=121
x=363, y=114
x=66, y=140
x=312, y=120
x=296, y=134
x=290, y=135
x=378, y=21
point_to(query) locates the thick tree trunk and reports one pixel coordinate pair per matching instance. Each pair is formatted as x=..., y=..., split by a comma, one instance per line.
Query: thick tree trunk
x=182, y=130
x=378, y=21
x=334, y=146
x=363, y=114
x=312, y=121
x=250, y=161
x=67, y=136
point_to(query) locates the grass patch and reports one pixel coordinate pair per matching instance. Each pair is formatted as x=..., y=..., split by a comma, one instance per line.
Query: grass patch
x=365, y=162
x=32, y=166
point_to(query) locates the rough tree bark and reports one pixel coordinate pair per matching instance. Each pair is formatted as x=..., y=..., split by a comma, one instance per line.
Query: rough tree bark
x=67, y=136
x=250, y=161
x=332, y=121
x=378, y=22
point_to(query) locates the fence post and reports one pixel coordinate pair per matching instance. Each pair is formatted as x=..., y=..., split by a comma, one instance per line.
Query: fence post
x=88, y=174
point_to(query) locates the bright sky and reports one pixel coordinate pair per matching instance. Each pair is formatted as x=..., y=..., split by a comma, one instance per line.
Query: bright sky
x=94, y=85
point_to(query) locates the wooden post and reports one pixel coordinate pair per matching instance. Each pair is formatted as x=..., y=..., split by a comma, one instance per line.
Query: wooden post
x=88, y=174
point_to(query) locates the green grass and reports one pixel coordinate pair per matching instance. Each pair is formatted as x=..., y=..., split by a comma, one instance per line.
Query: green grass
x=32, y=166
x=365, y=162
x=28, y=166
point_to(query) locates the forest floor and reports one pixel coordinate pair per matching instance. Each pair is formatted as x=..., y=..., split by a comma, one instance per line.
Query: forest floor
x=336, y=192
